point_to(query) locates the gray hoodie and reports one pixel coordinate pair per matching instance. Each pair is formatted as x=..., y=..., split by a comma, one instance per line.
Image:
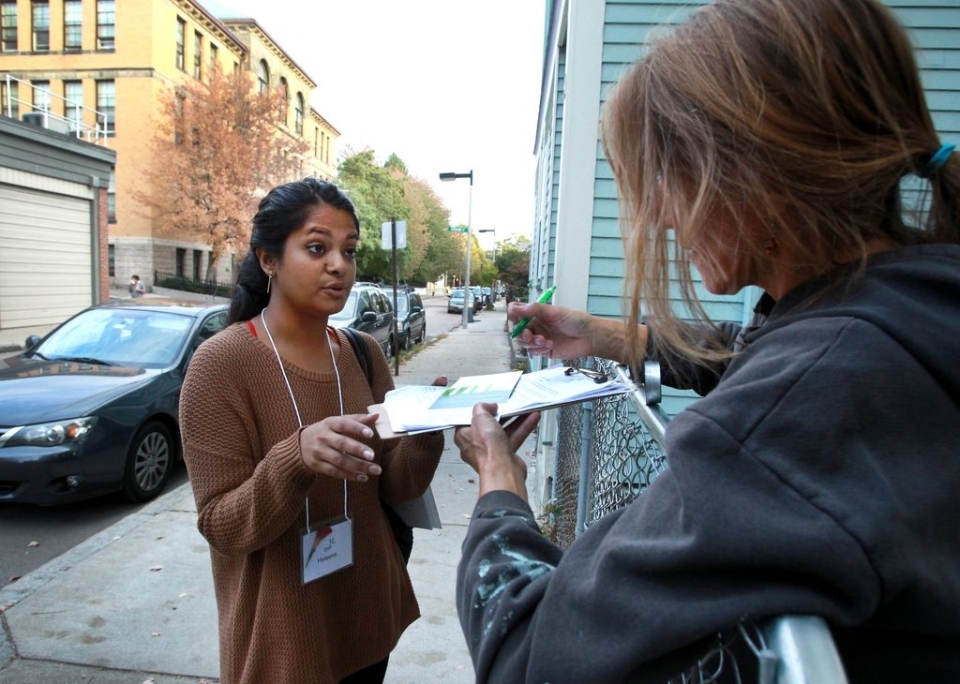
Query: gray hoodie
x=821, y=476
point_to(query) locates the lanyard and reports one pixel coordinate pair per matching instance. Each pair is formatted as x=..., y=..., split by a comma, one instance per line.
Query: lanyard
x=296, y=409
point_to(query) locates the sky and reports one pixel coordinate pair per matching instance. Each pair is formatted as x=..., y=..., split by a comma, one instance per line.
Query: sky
x=446, y=85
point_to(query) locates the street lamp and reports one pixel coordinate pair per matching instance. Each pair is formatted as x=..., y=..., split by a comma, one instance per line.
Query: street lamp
x=450, y=176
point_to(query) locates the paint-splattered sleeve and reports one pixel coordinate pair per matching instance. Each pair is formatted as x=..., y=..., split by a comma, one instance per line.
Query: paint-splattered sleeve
x=502, y=577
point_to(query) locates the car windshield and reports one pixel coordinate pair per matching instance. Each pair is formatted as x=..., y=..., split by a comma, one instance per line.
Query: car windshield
x=402, y=303
x=347, y=312
x=126, y=337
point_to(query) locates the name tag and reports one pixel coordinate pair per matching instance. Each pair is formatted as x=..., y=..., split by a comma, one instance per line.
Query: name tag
x=327, y=548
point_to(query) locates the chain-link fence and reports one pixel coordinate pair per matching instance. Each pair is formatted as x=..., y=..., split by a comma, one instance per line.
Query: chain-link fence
x=606, y=456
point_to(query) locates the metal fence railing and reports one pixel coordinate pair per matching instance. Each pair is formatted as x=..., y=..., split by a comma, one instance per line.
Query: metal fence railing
x=21, y=100
x=608, y=452
x=211, y=287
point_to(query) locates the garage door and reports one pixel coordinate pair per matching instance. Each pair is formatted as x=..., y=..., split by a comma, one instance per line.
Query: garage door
x=45, y=257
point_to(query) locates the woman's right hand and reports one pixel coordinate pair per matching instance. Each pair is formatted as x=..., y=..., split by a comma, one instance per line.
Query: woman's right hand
x=332, y=447
x=554, y=331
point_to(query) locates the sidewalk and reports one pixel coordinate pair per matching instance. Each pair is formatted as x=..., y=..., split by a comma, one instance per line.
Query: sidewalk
x=135, y=604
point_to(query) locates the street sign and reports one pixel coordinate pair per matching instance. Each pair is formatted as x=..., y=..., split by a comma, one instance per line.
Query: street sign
x=457, y=229
x=386, y=235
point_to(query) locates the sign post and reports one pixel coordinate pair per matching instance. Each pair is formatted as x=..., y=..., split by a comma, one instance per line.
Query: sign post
x=393, y=235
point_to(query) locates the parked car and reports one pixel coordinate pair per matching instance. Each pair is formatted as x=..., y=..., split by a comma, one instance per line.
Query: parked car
x=455, y=302
x=369, y=310
x=478, y=301
x=93, y=407
x=411, y=318
x=488, y=296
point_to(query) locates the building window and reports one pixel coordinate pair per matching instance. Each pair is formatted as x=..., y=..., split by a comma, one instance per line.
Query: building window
x=112, y=199
x=181, y=37
x=178, y=118
x=213, y=57
x=197, y=264
x=316, y=142
x=285, y=91
x=72, y=25
x=197, y=55
x=41, y=26
x=298, y=114
x=106, y=25
x=8, y=22
x=107, y=105
x=73, y=103
x=263, y=76
x=41, y=96
x=11, y=98
x=181, y=258
x=111, y=261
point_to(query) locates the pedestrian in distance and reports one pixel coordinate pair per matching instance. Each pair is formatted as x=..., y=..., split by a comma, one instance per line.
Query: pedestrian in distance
x=136, y=287
x=287, y=470
x=784, y=144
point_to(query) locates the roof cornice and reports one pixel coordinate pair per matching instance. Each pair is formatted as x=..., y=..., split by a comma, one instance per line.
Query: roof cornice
x=212, y=24
x=316, y=116
x=255, y=28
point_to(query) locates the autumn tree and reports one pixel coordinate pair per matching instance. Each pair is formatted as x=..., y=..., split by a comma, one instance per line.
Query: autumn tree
x=221, y=149
x=513, y=266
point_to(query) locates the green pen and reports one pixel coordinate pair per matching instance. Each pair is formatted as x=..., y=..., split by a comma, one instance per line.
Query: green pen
x=524, y=322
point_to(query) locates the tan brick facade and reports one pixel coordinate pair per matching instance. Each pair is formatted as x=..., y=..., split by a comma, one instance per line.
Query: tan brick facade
x=144, y=61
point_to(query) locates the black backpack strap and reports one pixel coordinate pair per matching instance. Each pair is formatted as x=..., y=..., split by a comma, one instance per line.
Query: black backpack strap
x=361, y=351
x=402, y=533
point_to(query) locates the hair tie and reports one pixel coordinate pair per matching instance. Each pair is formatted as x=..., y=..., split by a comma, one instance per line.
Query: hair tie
x=938, y=159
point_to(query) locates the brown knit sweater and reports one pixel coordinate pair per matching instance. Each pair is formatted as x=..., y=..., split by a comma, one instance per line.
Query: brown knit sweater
x=242, y=449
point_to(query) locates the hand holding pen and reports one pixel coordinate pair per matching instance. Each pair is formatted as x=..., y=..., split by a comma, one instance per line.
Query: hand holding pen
x=562, y=333
x=524, y=322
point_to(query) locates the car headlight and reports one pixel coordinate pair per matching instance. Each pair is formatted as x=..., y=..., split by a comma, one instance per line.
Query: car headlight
x=49, y=434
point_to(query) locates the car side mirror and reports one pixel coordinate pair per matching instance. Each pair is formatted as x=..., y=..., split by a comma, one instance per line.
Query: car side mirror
x=368, y=316
x=31, y=342
x=416, y=309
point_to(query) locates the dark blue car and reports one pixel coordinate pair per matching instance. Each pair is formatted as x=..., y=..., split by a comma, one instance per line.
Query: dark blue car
x=92, y=407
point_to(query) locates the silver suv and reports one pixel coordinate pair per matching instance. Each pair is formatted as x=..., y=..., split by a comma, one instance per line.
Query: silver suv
x=369, y=310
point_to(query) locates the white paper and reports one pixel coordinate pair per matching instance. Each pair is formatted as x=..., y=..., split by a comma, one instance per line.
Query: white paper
x=468, y=390
x=421, y=512
x=409, y=408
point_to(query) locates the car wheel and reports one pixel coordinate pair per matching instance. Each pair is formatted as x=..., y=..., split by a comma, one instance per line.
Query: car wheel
x=149, y=462
x=423, y=334
x=407, y=341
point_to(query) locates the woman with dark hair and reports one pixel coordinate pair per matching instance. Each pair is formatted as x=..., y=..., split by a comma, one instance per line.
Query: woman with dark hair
x=286, y=468
x=766, y=143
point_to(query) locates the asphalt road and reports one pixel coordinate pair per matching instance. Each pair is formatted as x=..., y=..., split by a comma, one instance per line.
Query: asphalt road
x=33, y=535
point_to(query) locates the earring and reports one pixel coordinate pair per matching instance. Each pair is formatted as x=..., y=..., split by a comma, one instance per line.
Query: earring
x=269, y=280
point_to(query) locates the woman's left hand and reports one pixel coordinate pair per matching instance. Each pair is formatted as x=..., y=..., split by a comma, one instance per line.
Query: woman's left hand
x=333, y=447
x=491, y=449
